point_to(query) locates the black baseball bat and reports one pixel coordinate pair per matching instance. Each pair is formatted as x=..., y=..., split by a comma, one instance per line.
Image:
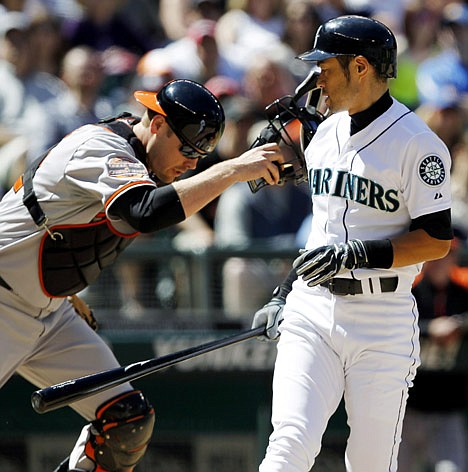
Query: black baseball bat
x=62, y=394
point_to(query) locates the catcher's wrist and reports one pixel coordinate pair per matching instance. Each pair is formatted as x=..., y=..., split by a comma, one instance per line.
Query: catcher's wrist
x=379, y=253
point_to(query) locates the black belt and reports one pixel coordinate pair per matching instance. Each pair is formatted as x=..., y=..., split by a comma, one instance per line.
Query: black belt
x=354, y=287
x=4, y=284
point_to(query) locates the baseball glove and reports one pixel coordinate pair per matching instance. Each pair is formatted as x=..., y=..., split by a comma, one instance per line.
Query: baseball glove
x=83, y=310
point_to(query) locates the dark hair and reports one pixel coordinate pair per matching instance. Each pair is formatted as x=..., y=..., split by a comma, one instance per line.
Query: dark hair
x=151, y=113
x=344, y=62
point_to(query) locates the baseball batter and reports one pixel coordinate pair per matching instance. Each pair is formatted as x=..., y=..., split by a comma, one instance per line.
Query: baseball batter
x=70, y=215
x=379, y=183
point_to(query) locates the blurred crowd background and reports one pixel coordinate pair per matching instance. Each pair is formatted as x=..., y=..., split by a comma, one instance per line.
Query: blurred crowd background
x=65, y=63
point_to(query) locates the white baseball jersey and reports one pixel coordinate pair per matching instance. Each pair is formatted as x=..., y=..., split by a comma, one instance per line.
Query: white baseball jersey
x=75, y=185
x=372, y=184
x=364, y=347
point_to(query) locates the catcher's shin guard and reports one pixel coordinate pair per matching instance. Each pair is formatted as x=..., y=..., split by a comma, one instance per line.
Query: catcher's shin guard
x=63, y=466
x=120, y=433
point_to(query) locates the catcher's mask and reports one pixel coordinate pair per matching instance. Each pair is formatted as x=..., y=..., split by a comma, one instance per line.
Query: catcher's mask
x=290, y=119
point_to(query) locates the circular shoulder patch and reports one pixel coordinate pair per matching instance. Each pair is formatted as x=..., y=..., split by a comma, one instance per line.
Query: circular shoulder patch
x=432, y=171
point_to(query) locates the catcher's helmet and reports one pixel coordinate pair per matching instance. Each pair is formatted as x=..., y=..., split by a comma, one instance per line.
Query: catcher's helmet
x=191, y=110
x=357, y=36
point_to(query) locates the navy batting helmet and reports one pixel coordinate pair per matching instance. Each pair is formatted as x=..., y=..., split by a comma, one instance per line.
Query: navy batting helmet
x=191, y=110
x=356, y=36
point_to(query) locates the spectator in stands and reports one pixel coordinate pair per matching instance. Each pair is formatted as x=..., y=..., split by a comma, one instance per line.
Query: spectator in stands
x=48, y=43
x=442, y=78
x=209, y=9
x=459, y=179
x=223, y=87
x=175, y=18
x=81, y=104
x=31, y=8
x=249, y=28
x=435, y=431
x=177, y=15
x=418, y=42
x=104, y=28
x=329, y=9
x=145, y=16
x=266, y=80
x=301, y=22
x=389, y=12
x=153, y=70
x=25, y=91
x=448, y=119
x=196, y=56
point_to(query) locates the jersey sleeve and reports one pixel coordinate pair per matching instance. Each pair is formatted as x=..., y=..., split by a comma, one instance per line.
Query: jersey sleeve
x=104, y=168
x=426, y=175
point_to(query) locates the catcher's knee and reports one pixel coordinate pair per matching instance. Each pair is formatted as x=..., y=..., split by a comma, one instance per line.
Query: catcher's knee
x=121, y=432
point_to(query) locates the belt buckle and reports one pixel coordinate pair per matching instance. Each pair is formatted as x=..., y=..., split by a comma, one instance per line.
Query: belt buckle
x=330, y=284
x=333, y=287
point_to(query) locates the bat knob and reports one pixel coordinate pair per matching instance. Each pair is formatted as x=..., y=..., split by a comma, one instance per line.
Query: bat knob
x=37, y=402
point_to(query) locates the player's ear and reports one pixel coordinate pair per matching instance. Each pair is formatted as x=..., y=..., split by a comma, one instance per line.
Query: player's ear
x=156, y=122
x=361, y=64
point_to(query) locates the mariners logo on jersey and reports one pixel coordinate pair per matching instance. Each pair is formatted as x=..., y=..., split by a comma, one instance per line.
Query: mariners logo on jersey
x=431, y=170
x=124, y=167
x=344, y=184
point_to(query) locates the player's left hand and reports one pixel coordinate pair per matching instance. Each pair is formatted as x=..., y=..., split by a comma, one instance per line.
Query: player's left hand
x=322, y=263
x=269, y=316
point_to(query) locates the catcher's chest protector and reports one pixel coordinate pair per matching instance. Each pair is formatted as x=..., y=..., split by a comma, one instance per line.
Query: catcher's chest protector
x=71, y=257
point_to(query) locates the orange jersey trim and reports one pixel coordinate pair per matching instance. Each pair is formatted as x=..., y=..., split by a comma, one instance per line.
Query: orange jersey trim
x=18, y=184
x=124, y=188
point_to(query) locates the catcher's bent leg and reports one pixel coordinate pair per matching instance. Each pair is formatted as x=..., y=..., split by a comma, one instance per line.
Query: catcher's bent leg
x=117, y=440
x=63, y=466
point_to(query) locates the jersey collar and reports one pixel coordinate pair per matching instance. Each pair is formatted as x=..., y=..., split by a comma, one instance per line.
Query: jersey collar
x=364, y=118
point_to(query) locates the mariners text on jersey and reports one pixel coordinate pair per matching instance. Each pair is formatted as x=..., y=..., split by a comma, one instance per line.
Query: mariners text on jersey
x=344, y=184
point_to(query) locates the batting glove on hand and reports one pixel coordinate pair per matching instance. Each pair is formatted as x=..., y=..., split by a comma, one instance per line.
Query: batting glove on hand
x=322, y=263
x=270, y=316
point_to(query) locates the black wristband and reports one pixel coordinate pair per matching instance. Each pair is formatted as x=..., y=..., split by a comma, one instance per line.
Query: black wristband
x=285, y=287
x=379, y=253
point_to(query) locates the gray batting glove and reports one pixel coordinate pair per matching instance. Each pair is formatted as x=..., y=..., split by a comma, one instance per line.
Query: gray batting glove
x=270, y=317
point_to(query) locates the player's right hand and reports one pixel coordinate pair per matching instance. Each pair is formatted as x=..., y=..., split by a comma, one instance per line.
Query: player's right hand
x=270, y=317
x=259, y=163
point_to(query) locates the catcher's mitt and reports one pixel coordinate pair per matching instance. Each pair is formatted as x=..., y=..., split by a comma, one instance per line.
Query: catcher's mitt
x=82, y=309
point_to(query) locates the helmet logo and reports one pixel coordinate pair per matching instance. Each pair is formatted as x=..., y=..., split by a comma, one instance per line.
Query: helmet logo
x=202, y=127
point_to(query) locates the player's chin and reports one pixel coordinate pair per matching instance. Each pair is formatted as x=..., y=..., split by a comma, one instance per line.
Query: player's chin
x=167, y=178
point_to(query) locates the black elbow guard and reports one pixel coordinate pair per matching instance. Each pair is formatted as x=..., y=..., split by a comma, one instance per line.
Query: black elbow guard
x=149, y=209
